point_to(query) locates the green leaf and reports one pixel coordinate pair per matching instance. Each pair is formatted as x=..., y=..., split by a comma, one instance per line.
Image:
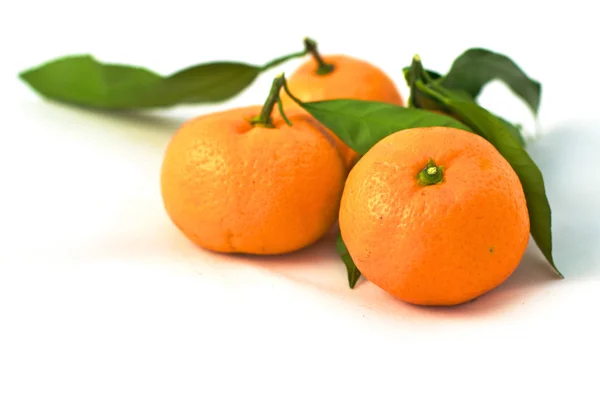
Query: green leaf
x=495, y=130
x=353, y=272
x=84, y=81
x=361, y=124
x=420, y=99
x=476, y=67
x=514, y=130
x=208, y=83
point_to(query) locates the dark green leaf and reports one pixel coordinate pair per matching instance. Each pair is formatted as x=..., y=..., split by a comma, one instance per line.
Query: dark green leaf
x=208, y=83
x=495, y=131
x=434, y=103
x=420, y=99
x=515, y=131
x=476, y=67
x=433, y=75
x=361, y=124
x=83, y=80
x=353, y=272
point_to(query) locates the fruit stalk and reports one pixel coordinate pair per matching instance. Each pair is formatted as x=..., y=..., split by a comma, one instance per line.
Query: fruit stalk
x=419, y=72
x=323, y=67
x=264, y=118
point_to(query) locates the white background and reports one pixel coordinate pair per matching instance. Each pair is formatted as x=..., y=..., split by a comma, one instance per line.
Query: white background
x=100, y=296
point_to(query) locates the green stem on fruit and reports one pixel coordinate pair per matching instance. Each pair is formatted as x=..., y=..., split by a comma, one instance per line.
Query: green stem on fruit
x=431, y=174
x=323, y=68
x=416, y=73
x=264, y=118
x=420, y=73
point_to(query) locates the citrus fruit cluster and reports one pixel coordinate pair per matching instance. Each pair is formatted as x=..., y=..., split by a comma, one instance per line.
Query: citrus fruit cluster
x=434, y=216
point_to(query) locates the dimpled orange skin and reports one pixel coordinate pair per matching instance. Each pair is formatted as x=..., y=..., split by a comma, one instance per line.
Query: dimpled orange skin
x=442, y=244
x=234, y=188
x=351, y=78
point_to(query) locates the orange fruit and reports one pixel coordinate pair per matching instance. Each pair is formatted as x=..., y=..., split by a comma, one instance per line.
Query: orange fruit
x=429, y=241
x=234, y=187
x=351, y=78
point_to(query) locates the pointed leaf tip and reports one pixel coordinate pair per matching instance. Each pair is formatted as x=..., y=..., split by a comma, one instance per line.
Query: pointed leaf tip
x=476, y=67
x=353, y=272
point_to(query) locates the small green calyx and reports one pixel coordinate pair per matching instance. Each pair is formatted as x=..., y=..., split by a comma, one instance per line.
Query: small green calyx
x=324, y=69
x=431, y=174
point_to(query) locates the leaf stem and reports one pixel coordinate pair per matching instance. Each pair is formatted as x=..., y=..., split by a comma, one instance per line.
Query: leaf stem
x=431, y=92
x=292, y=96
x=264, y=119
x=323, y=67
x=281, y=60
x=281, y=111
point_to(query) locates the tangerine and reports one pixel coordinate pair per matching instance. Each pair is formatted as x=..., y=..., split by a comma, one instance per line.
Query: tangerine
x=434, y=216
x=237, y=184
x=339, y=77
